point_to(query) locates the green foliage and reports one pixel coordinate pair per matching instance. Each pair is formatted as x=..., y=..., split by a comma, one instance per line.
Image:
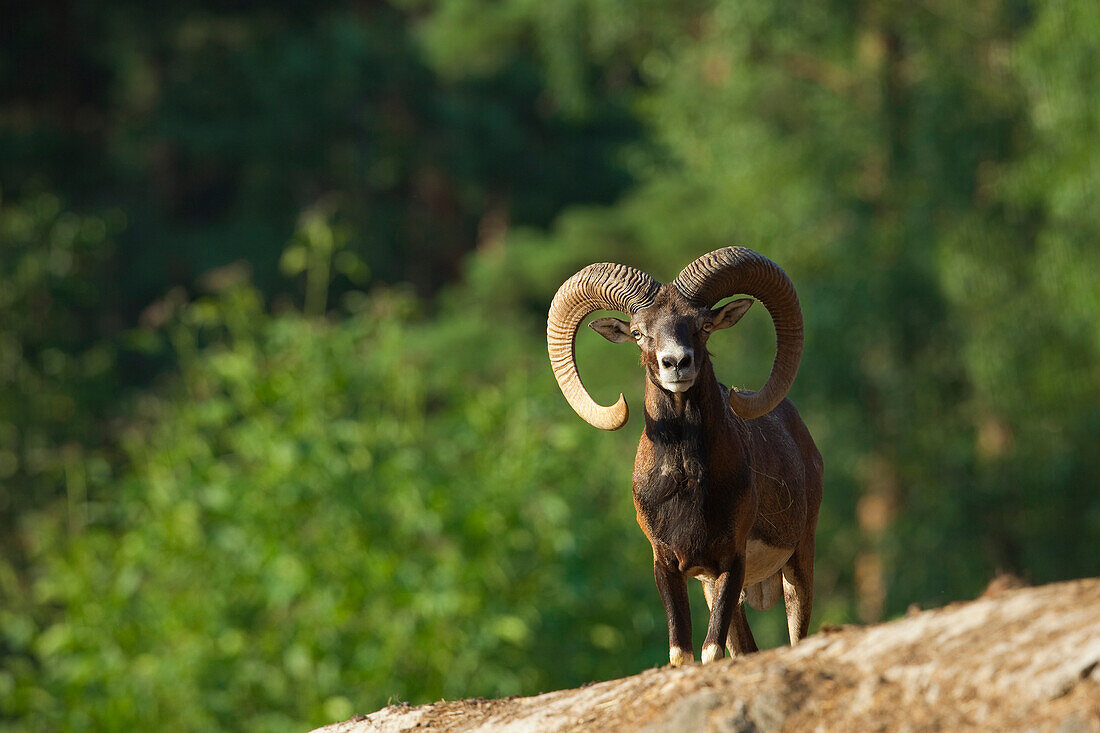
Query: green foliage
x=55, y=376
x=320, y=518
x=927, y=184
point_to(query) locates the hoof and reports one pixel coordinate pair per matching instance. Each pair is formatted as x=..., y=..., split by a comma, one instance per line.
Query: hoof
x=678, y=657
x=712, y=652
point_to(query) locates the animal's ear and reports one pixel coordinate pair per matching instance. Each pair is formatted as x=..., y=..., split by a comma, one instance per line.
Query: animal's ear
x=730, y=313
x=612, y=329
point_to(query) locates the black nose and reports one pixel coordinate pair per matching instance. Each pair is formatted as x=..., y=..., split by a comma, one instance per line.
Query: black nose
x=669, y=362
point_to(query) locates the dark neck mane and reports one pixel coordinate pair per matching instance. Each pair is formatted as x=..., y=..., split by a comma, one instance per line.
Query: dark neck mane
x=685, y=494
x=676, y=424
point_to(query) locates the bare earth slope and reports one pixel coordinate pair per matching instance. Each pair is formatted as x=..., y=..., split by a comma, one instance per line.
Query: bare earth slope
x=1023, y=659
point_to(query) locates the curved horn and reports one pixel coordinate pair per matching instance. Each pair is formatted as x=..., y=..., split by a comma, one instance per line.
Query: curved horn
x=734, y=270
x=603, y=286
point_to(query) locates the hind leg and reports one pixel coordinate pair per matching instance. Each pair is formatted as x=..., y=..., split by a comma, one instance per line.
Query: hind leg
x=798, y=588
x=739, y=640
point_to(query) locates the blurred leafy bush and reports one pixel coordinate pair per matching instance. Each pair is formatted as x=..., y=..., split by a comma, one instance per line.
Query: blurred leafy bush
x=323, y=517
x=56, y=375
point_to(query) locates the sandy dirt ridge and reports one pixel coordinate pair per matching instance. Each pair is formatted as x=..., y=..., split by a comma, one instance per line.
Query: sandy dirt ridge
x=1016, y=659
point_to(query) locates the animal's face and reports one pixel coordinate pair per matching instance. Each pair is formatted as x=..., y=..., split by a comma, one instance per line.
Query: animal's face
x=672, y=336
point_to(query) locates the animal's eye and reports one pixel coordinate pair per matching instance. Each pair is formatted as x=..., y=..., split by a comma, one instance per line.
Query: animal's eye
x=636, y=333
x=708, y=327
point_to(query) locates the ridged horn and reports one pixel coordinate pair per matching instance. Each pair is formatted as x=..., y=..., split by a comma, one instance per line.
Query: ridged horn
x=603, y=286
x=736, y=270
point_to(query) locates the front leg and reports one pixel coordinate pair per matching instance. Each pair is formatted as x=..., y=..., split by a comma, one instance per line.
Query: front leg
x=673, y=589
x=727, y=591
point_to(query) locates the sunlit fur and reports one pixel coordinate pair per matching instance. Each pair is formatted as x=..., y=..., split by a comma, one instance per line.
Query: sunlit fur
x=678, y=657
x=711, y=652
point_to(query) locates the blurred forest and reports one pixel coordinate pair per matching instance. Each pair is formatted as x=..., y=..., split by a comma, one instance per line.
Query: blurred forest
x=279, y=440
